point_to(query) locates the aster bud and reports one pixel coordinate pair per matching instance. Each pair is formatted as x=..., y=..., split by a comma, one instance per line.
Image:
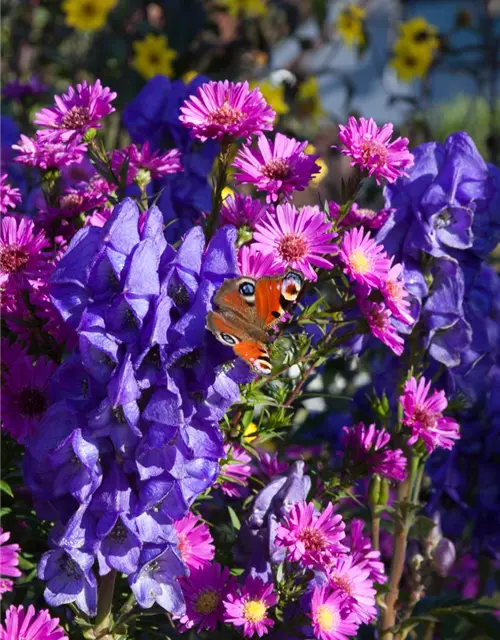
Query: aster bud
x=244, y=235
x=374, y=491
x=89, y=135
x=143, y=178
x=443, y=557
x=384, y=492
x=50, y=176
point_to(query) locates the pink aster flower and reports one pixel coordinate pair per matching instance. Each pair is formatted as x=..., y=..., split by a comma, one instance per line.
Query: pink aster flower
x=311, y=538
x=423, y=413
x=235, y=471
x=360, y=216
x=26, y=396
x=204, y=592
x=270, y=466
x=226, y=110
x=364, y=260
x=353, y=581
x=395, y=294
x=30, y=625
x=363, y=553
x=330, y=617
x=48, y=155
x=195, y=543
x=369, y=147
x=9, y=559
x=22, y=261
x=75, y=112
x=248, y=607
x=158, y=164
x=255, y=264
x=379, y=321
x=242, y=211
x=296, y=239
x=278, y=168
x=9, y=196
x=368, y=447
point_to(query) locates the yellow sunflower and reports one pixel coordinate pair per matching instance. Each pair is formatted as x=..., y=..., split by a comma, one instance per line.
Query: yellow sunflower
x=350, y=25
x=410, y=62
x=87, y=15
x=152, y=56
x=308, y=99
x=274, y=95
x=419, y=33
x=249, y=8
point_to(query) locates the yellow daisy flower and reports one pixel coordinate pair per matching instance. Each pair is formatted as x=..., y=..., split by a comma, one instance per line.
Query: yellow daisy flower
x=250, y=432
x=249, y=8
x=87, y=15
x=350, y=24
x=152, y=56
x=274, y=95
x=420, y=33
x=323, y=167
x=308, y=99
x=410, y=62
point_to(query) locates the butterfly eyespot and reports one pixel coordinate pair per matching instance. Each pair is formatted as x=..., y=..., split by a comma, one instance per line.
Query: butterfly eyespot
x=228, y=339
x=247, y=289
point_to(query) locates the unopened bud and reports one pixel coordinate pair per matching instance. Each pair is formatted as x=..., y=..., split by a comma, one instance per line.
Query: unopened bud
x=384, y=492
x=142, y=178
x=374, y=491
x=444, y=557
x=89, y=135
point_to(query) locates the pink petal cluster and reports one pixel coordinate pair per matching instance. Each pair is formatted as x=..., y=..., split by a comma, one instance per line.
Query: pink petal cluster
x=30, y=625
x=353, y=582
x=242, y=211
x=235, y=471
x=363, y=553
x=9, y=559
x=379, y=321
x=10, y=197
x=75, y=112
x=247, y=606
x=360, y=216
x=158, y=164
x=310, y=537
x=330, y=616
x=279, y=168
x=226, y=111
x=369, y=147
x=255, y=264
x=297, y=239
x=195, y=543
x=43, y=154
x=423, y=414
x=369, y=447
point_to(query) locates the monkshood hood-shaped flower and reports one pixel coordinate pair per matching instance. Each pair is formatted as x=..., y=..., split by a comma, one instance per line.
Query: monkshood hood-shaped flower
x=133, y=437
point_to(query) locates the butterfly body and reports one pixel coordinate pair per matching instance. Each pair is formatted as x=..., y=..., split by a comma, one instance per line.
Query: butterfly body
x=245, y=309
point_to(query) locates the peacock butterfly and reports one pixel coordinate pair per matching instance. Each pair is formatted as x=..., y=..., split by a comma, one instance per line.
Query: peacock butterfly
x=245, y=309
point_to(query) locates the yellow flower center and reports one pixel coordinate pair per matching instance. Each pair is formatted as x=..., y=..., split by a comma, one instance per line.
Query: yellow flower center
x=326, y=618
x=207, y=602
x=254, y=611
x=359, y=262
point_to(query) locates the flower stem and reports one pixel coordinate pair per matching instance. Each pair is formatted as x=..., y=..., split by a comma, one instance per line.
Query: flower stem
x=220, y=180
x=104, y=606
x=375, y=531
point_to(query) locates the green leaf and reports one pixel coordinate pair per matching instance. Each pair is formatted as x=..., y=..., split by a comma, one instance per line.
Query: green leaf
x=6, y=488
x=422, y=527
x=235, y=521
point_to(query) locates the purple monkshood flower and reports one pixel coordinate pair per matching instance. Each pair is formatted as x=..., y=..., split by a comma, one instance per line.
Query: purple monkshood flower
x=9, y=196
x=226, y=110
x=75, y=112
x=368, y=447
x=30, y=625
x=278, y=168
x=242, y=210
x=369, y=147
x=43, y=154
x=18, y=90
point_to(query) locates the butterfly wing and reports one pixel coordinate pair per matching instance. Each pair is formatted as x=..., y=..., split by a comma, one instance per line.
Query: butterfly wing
x=237, y=296
x=255, y=354
x=274, y=295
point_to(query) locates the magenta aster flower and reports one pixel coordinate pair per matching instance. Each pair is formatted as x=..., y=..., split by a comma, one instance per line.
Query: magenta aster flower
x=395, y=294
x=296, y=239
x=353, y=581
x=311, y=538
x=369, y=147
x=278, y=168
x=75, y=112
x=10, y=353
x=9, y=196
x=369, y=447
x=242, y=211
x=364, y=260
x=226, y=110
x=30, y=625
x=195, y=543
x=9, y=559
x=255, y=264
x=270, y=466
x=363, y=554
x=248, y=607
x=330, y=617
x=48, y=155
x=204, y=592
x=360, y=216
x=22, y=261
x=26, y=396
x=235, y=470
x=423, y=413
x=379, y=321
x=158, y=164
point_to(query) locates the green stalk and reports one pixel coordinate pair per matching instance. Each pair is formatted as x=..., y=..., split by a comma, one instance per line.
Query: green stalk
x=220, y=181
x=104, y=606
